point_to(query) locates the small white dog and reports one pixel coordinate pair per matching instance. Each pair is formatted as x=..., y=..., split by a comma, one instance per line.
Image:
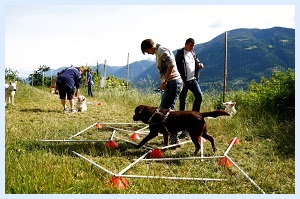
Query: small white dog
x=230, y=107
x=10, y=91
x=81, y=103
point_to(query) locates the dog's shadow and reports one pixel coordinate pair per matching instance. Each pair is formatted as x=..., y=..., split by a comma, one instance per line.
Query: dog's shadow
x=88, y=148
x=91, y=149
x=37, y=110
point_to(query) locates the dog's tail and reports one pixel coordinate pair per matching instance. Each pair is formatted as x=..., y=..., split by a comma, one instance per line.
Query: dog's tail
x=214, y=114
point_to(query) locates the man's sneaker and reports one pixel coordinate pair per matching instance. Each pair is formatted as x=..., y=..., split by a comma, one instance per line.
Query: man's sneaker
x=184, y=134
x=66, y=110
x=174, y=139
x=73, y=111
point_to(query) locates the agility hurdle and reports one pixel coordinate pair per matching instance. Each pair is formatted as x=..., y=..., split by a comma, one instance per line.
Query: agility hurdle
x=142, y=158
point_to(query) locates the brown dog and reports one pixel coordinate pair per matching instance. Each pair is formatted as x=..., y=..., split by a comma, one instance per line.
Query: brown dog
x=169, y=122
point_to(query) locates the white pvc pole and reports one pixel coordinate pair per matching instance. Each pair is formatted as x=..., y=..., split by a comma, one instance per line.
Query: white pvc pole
x=171, y=178
x=113, y=134
x=119, y=129
x=133, y=143
x=202, y=147
x=186, y=158
x=244, y=174
x=93, y=163
x=230, y=146
x=75, y=140
x=173, y=145
x=142, y=128
x=133, y=163
x=84, y=130
x=137, y=123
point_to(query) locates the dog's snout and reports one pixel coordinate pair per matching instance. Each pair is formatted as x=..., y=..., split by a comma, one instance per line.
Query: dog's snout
x=135, y=118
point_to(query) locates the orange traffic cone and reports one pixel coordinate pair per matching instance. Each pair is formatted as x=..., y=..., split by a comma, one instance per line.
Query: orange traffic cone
x=112, y=144
x=201, y=139
x=224, y=162
x=156, y=153
x=237, y=141
x=119, y=182
x=99, y=126
x=134, y=136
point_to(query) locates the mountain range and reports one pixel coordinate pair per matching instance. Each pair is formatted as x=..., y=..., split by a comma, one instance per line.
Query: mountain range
x=251, y=54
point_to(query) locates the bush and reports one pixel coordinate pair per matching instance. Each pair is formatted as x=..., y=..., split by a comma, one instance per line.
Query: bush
x=272, y=96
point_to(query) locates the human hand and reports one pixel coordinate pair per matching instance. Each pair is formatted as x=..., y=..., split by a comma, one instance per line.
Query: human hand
x=163, y=86
x=201, y=65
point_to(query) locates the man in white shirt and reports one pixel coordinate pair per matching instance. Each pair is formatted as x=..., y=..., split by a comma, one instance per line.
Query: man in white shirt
x=188, y=66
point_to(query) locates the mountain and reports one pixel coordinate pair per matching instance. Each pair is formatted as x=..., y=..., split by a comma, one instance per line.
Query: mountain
x=110, y=70
x=252, y=53
x=135, y=69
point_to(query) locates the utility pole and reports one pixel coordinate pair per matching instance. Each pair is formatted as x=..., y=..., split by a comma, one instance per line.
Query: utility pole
x=127, y=77
x=104, y=69
x=225, y=67
x=98, y=73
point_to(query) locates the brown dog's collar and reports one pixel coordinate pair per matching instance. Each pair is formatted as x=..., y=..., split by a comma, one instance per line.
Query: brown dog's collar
x=166, y=116
x=150, y=118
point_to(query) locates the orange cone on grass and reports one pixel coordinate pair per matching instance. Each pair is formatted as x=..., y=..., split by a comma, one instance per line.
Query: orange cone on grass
x=119, y=182
x=112, y=144
x=237, y=141
x=201, y=139
x=134, y=136
x=225, y=162
x=99, y=126
x=156, y=153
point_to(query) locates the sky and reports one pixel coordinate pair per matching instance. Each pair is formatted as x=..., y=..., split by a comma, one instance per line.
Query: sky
x=61, y=35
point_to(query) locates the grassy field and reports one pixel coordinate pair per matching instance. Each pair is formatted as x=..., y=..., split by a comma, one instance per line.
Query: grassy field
x=35, y=167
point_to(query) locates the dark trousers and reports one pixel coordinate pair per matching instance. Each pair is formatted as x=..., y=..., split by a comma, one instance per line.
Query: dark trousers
x=90, y=92
x=194, y=87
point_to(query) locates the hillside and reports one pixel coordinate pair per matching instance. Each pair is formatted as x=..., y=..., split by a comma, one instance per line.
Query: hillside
x=252, y=53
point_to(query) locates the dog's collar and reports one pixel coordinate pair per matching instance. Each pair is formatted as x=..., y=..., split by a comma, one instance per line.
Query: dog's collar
x=166, y=116
x=150, y=118
x=157, y=111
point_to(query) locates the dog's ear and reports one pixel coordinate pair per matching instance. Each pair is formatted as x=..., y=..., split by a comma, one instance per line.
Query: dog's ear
x=140, y=109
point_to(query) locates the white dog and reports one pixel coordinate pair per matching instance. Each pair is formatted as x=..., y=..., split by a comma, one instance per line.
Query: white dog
x=229, y=107
x=81, y=103
x=10, y=91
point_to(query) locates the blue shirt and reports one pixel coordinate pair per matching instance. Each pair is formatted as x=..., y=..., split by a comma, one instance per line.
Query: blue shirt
x=90, y=77
x=70, y=78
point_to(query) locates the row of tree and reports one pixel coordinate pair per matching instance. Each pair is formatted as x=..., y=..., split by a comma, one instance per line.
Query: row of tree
x=38, y=78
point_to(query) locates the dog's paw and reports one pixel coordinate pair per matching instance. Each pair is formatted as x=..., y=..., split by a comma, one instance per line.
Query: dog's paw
x=215, y=149
x=196, y=151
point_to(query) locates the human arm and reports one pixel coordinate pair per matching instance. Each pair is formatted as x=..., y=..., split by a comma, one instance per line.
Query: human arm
x=168, y=73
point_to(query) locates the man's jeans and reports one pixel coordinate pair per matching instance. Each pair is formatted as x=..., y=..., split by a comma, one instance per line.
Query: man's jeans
x=194, y=87
x=171, y=93
x=169, y=98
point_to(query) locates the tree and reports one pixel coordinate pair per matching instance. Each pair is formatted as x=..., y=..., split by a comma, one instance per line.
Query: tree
x=11, y=75
x=37, y=78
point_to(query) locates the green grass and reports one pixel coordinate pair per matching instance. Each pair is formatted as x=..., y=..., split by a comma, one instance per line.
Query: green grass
x=32, y=166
